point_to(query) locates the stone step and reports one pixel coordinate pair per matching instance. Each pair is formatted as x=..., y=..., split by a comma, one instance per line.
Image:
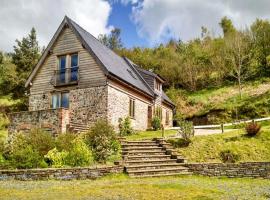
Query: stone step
x=153, y=161
x=159, y=172
x=154, y=166
x=143, y=142
x=147, y=157
x=158, y=175
x=138, y=145
x=142, y=148
x=141, y=153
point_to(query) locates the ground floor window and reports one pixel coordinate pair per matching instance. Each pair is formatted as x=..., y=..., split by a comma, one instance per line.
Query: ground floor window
x=132, y=108
x=60, y=100
x=167, y=118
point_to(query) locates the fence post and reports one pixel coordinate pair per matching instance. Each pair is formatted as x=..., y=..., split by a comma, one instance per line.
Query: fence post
x=222, y=128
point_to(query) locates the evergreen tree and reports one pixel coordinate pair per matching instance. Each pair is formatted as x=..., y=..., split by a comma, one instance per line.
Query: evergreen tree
x=227, y=26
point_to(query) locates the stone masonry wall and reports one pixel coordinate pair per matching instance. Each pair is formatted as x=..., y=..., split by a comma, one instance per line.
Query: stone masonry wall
x=118, y=107
x=164, y=109
x=59, y=174
x=248, y=169
x=54, y=120
x=39, y=101
x=88, y=105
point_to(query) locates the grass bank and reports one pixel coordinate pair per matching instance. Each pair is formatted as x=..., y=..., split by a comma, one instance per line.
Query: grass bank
x=122, y=187
x=145, y=135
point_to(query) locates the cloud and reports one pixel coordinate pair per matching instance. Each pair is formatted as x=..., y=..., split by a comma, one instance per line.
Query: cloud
x=157, y=20
x=17, y=18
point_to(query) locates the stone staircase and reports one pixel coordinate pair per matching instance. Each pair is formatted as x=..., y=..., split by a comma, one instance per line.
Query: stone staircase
x=150, y=158
x=77, y=127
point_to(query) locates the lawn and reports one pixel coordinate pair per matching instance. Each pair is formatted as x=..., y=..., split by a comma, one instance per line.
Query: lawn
x=144, y=135
x=208, y=148
x=122, y=187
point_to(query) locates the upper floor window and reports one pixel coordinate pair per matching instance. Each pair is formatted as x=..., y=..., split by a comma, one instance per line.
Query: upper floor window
x=157, y=85
x=132, y=108
x=60, y=100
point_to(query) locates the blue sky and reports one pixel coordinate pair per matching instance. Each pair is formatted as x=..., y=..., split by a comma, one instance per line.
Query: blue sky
x=143, y=23
x=120, y=17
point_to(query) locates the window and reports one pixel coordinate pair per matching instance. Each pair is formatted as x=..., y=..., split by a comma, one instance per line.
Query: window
x=158, y=112
x=158, y=85
x=60, y=100
x=132, y=108
x=62, y=67
x=74, y=67
x=167, y=118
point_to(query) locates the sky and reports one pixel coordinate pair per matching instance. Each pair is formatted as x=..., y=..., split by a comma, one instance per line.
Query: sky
x=143, y=23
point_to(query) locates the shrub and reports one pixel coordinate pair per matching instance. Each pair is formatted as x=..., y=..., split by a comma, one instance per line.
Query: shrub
x=4, y=121
x=101, y=139
x=156, y=124
x=125, y=127
x=79, y=154
x=229, y=156
x=252, y=129
x=64, y=141
x=186, y=131
x=178, y=143
x=56, y=158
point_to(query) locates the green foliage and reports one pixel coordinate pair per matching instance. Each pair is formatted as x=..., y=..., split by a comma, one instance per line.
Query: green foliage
x=186, y=130
x=125, y=127
x=179, y=143
x=156, y=124
x=229, y=156
x=227, y=26
x=252, y=129
x=113, y=40
x=102, y=140
x=64, y=141
x=4, y=121
x=56, y=158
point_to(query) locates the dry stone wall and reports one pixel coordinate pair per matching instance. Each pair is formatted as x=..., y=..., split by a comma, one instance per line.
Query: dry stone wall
x=238, y=170
x=59, y=174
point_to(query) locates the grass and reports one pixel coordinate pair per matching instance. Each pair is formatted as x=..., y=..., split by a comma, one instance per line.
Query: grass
x=6, y=101
x=122, y=187
x=144, y=135
x=207, y=148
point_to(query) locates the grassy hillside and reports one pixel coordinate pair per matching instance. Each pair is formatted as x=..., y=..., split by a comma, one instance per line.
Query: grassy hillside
x=208, y=148
x=216, y=105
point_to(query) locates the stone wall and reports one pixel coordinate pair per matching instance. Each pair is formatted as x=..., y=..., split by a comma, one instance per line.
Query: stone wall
x=39, y=101
x=163, y=121
x=118, y=107
x=88, y=105
x=248, y=169
x=54, y=120
x=60, y=173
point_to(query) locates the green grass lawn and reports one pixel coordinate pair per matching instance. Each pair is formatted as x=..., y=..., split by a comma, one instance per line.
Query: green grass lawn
x=144, y=135
x=121, y=187
x=207, y=148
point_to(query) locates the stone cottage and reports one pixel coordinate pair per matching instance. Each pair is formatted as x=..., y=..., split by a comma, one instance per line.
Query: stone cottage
x=78, y=80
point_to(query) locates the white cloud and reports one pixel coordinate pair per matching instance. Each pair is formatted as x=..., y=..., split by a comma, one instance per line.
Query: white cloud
x=159, y=19
x=17, y=18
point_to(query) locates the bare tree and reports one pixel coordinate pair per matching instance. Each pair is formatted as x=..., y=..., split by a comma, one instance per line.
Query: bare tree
x=238, y=56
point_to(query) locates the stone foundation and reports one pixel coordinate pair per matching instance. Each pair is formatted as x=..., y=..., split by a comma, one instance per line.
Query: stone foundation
x=239, y=170
x=59, y=174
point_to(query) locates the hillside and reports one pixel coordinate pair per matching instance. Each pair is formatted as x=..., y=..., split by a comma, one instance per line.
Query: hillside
x=217, y=105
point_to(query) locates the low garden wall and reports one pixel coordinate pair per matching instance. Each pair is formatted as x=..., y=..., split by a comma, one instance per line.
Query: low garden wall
x=59, y=173
x=237, y=170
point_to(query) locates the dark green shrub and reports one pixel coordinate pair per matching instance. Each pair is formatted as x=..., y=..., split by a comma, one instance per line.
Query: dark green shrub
x=229, y=156
x=102, y=140
x=252, y=129
x=64, y=141
x=156, y=124
x=179, y=143
x=125, y=127
x=186, y=130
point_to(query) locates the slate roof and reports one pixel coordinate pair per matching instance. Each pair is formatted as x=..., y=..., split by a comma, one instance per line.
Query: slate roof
x=113, y=63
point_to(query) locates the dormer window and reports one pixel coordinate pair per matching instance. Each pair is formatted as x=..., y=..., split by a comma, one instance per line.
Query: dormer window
x=157, y=85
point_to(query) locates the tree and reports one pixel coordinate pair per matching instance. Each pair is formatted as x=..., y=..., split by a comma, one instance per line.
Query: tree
x=113, y=40
x=227, y=26
x=238, y=55
x=25, y=57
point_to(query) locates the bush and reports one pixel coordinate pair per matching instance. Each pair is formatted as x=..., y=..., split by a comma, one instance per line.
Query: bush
x=186, y=131
x=252, y=129
x=4, y=121
x=156, y=124
x=125, y=127
x=229, y=156
x=101, y=139
x=178, y=143
x=64, y=141
x=56, y=158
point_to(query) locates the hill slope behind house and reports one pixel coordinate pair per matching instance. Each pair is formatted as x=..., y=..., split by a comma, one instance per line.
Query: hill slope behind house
x=219, y=105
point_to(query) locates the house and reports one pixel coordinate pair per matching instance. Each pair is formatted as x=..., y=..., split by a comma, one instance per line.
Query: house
x=78, y=80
